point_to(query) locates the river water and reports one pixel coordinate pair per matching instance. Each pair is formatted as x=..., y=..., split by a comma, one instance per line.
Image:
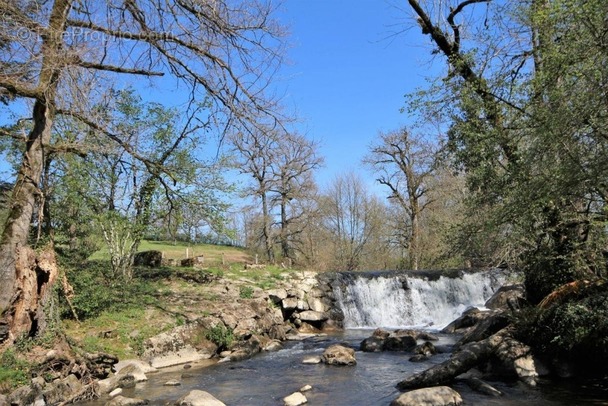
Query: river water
x=367, y=300
x=266, y=378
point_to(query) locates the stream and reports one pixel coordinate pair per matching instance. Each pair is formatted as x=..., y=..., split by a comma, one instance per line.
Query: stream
x=266, y=378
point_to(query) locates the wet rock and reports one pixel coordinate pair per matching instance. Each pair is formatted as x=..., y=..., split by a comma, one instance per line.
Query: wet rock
x=173, y=382
x=427, y=349
x=419, y=358
x=305, y=388
x=123, y=401
x=134, y=370
x=372, y=344
x=295, y=399
x=403, y=343
x=434, y=396
x=426, y=336
x=199, y=398
x=482, y=387
x=380, y=333
x=312, y=360
x=115, y=392
x=273, y=345
x=339, y=355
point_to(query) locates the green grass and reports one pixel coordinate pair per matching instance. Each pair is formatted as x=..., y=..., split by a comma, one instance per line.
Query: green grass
x=126, y=331
x=213, y=253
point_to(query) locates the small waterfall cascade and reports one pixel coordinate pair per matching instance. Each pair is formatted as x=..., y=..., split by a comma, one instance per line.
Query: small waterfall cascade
x=408, y=299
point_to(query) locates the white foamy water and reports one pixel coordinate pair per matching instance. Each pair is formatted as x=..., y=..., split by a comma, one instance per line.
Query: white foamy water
x=403, y=300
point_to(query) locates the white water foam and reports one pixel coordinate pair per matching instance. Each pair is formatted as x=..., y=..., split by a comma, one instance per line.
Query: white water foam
x=402, y=300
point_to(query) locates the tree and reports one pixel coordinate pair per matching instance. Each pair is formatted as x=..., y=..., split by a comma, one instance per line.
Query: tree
x=292, y=170
x=404, y=164
x=527, y=124
x=354, y=221
x=57, y=54
x=256, y=153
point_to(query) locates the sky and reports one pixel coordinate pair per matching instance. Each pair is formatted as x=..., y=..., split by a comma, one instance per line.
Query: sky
x=346, y=75
x=348, y=72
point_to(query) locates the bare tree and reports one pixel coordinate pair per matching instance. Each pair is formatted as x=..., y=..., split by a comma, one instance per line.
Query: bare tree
x=404, y=164
x=255, y=156
x=353, y=218
x=58, y=54
x=295, y=161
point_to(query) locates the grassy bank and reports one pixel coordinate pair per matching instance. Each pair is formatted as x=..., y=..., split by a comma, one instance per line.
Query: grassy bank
x=117, y=316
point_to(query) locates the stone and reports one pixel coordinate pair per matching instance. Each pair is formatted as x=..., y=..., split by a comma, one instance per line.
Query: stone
x=123, y=401
x=305, y=388
x=507, y=297
x=289, y=303
x=311, y=315
x=372, y=344
x=277, y=295
x=295, y=399
x=134, y=370
x=273, y=345
x=62, y=389
x=380, y=333
x=302, y=305
x=316, y=304
x=115, y=392
x=199, y=398
x=403, y=343
x=339, y=355
x=419, y=358
x=427, y=349
x=312, y=360
x=434, y=396
x=151, y=259
x=182, y=356
x=173, y=382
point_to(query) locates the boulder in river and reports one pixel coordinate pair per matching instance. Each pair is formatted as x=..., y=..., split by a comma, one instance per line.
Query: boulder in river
x=199, y=398
x=434, y=396
x=295, y=399
x=339, y=355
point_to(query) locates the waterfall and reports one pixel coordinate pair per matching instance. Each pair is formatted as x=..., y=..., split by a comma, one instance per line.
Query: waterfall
x=405, y=299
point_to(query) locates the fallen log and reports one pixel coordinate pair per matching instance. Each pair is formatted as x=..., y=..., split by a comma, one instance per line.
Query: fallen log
x=501, y=346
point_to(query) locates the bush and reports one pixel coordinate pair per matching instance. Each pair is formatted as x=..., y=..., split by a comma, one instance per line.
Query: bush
x=575, y=330
x=246, y=292
x=221, y=335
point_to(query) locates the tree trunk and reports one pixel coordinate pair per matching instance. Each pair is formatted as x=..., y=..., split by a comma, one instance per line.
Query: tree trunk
x=23, y=282
x=266, y=229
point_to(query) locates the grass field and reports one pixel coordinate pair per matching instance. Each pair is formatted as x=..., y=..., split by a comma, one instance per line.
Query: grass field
x=213, y=253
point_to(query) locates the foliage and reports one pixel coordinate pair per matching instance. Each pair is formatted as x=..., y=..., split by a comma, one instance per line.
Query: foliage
x=96, y=291
x=221, y=335
x=526, y=122
x=14, y=371
x=245, y=292
x=575, y=330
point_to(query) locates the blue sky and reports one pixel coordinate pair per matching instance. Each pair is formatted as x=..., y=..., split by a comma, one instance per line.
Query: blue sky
x=348, y=73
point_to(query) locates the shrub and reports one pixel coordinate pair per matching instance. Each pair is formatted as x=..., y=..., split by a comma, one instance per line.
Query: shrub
x=221, y=335
x=246, y=292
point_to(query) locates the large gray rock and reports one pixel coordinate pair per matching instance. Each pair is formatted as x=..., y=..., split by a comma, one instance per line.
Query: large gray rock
x=507, y=297
x=339, y=355
x=403, y=343
x=199, y=398
x=435, y=396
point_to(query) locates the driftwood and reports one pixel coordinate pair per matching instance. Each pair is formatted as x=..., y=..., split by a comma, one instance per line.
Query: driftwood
x=514, y=355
